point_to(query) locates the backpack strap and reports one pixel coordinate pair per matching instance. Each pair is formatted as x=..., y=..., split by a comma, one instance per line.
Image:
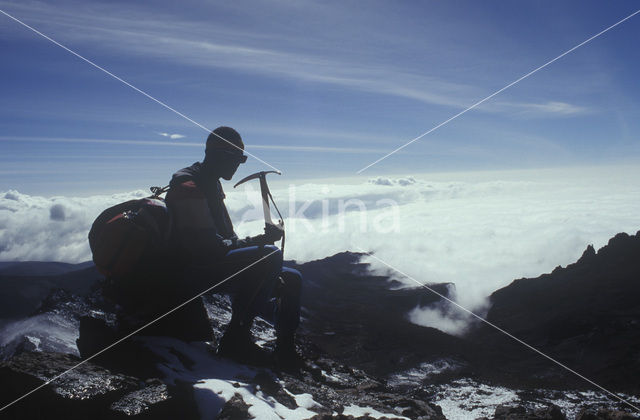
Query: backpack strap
x=157, y=191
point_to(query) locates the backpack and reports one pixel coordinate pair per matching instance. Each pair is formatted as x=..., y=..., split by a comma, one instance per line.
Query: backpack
x=125, y=236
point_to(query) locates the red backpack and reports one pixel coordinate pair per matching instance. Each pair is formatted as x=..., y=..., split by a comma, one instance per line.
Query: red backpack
x=129, y=233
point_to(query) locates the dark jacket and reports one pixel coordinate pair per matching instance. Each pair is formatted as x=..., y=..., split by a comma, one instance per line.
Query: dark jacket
x=202, y=228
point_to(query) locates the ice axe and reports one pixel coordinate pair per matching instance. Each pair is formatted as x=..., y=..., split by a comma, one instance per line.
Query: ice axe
x=269, y=224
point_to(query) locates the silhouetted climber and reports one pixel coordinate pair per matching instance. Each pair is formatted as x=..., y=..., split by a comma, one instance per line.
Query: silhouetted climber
x=203, y=251
x=206, y=250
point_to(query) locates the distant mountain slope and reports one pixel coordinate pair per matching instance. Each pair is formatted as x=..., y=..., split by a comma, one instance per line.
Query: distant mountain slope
x=20, y=295
x=586, y=315
x=39, y=268
x=363, y=352
x=361, y=319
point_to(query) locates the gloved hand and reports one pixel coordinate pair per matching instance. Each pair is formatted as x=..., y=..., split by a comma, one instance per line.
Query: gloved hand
x=273, y=233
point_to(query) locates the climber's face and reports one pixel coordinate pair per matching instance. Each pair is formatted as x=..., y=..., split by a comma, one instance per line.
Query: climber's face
x=224, y=163
x=229, y=168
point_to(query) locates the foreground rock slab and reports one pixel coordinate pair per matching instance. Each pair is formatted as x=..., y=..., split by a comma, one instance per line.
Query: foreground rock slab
x=88, y=391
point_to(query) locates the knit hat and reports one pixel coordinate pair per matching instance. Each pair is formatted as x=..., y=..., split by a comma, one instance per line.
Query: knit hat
x=224, y=138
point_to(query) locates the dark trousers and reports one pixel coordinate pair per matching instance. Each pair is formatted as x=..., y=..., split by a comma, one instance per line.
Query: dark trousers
x=263, y=287
x=253, y=277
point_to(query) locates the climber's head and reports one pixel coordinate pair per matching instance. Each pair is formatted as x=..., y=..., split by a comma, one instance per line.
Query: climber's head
x=223, y=153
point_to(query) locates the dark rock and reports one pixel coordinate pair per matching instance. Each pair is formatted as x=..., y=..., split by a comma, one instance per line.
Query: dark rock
x=235, y=409
x=354, y=335
x=505, y=412
x=604, y=414
x=113, y=382
x=360, y=319
x=588, y=255
x=509, y=412
x=418, y=409
x=267, y=384
x=87, y=391
x=551, y=412
x=96, y=335
x=143, y=399
x=586, y=315
x=348, y=386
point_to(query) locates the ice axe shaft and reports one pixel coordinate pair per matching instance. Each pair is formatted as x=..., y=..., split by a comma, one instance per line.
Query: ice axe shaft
x=264, y=190
x=266, y=195
x=268, y=223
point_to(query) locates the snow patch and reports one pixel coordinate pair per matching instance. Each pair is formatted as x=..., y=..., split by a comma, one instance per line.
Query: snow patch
x=35, y=341
x=47, y=332
x=417, y=376
x=356, y=411
x=218, y=380
x=305, y=400
x=469, y=400
x=214, y=393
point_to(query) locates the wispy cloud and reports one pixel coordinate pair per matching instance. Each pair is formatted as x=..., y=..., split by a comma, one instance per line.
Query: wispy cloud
x=321, y=149
x=554, y=107
x=172, y=136
x=283, y=147
x=541, y=109
x=90, y=140
x=220, y=46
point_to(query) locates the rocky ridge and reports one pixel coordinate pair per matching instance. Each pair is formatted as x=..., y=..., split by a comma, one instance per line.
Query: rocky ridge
x=364, y=359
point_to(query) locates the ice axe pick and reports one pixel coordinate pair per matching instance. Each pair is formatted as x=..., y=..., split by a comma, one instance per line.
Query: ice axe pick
x=269, y=224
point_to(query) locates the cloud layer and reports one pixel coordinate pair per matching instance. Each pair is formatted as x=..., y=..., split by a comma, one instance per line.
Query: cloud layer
x=478, y=231
x=36, y=228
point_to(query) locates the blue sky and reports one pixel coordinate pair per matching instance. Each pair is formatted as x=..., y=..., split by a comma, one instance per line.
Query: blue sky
x=317, y=89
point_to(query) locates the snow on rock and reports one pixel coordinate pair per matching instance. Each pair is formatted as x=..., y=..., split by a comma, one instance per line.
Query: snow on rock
x=424, y=372
x=305, y=400
x=224, y=389
x=468, y=399
x=356, y=411
x=218, y=381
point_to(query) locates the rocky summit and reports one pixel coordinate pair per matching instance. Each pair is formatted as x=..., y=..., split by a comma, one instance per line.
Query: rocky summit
x=363, y=358
x=585, y=315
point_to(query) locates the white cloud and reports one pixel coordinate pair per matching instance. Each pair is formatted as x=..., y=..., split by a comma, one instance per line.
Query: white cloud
x=451, y=322
x=477, y=230
x=40, y=139
x=319, y=149
x=543, y=109
x=172, y=136
x=283, y=147
x=50, y=229
x=57, y=212
x=556, y=107
x=389, y=182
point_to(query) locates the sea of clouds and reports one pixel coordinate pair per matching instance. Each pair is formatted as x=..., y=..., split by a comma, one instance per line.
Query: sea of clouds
x=476, y=230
